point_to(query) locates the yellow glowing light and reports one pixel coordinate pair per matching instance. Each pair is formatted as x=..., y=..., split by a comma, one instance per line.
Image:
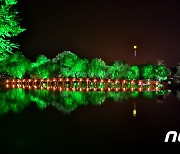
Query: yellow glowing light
x=7, y=85
x=67, y=79
x=140, y=89
x=109, y=89
x=102, y=89
x=135, y=47
x=7, y=80
x=132, y=89
x=80, y=89
x=124, y=89
x=35, y=87
x=157, y=88
x=134, y=112
x=74, y=89
x=109, y=80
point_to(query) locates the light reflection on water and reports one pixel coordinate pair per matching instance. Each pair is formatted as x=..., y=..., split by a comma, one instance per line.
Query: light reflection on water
x=17, y=99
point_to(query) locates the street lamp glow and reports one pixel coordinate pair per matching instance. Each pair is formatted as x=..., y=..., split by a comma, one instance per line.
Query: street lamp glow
x=135, y=47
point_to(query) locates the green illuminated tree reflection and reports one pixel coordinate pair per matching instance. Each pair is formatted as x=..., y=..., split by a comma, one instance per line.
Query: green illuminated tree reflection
x=15, y=100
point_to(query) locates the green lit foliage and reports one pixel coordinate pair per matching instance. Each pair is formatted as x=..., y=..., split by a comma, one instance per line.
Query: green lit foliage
x=15, y=65
x=14, y=100
x=40, y=60
x=148, y=71
x=9, y=27
x=133, y=73
x=118, y=70
x=40, y=67
x=148, y=94
x=69, y=101
x=66, y=62
x=161, y=93
x=161, y=72
x=134, y=94
x=79, y=70
x=118, y=96
x=100, y=85
x=97, y=69
x=70, y=65
x=97, y=98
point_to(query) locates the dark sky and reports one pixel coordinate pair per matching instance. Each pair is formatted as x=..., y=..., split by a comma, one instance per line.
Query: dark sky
x=102, y=29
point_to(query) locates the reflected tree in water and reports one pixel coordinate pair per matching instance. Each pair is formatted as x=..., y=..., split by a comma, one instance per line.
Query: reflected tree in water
x=15, y=100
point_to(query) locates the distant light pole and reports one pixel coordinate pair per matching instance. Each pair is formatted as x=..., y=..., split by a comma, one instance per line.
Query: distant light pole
x=135, y=47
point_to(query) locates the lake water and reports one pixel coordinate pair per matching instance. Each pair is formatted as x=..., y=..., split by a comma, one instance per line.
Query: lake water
x=87, y=122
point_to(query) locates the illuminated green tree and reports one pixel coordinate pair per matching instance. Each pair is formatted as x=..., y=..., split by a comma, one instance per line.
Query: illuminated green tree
x=97, y=98
x=133, y=73
x=66, y=61
x=80, y=68
x=118, y=70
x=40, y=67
x=15, y=65
x=118, y=96
x=161, y=72
x=9, y=27
x=148, y=94
x=40, y=60
x=97, y=69
x=148, y=71
x=14, y=100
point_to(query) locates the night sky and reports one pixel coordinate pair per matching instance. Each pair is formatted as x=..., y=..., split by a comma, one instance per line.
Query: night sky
x=102, y=29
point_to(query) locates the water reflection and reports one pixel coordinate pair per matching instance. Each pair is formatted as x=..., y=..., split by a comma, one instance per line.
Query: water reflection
x=16, y=99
